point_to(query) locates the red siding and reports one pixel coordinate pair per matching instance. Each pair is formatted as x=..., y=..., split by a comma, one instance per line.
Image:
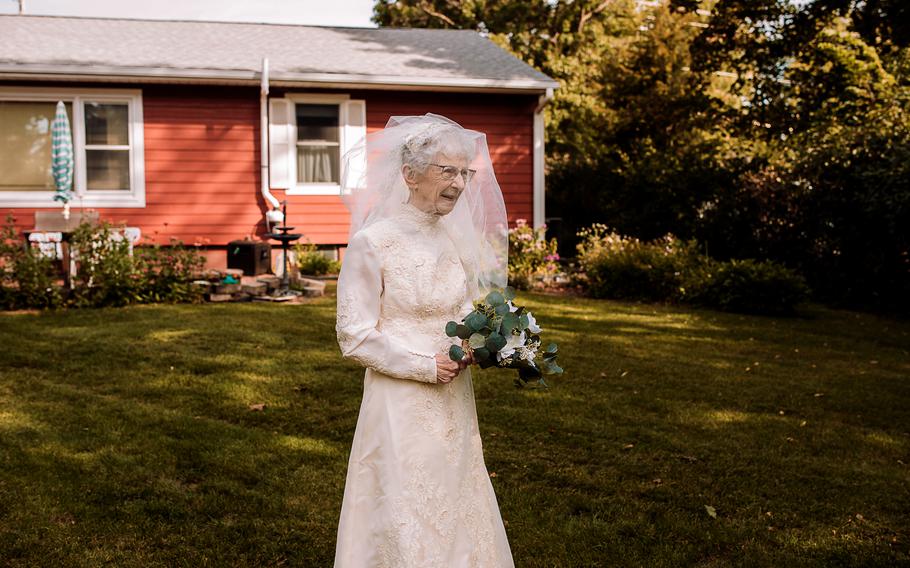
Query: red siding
x=506, y=119
x=202, y=161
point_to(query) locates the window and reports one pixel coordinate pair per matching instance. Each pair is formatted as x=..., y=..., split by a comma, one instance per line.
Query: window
x=107, y=135
x=107, y=146
x=308, y=137
x=25, y=144
x=318, y=143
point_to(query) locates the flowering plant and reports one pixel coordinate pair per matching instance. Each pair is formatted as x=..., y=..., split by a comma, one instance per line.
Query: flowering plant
x=501, y=334
x=531, y=255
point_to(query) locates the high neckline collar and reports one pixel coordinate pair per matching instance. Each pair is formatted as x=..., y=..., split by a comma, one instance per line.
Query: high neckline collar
x=419, y=216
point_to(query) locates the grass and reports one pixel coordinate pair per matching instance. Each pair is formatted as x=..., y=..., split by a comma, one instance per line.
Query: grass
x=127, y=438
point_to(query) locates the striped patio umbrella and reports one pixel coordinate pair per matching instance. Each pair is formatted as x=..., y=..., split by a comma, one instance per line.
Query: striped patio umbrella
x=62, y=157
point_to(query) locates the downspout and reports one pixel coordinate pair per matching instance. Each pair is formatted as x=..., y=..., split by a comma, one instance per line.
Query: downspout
x=539, y=155
x=274, y=215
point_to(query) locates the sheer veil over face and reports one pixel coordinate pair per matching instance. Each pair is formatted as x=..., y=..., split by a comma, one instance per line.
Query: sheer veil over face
x=432, y=163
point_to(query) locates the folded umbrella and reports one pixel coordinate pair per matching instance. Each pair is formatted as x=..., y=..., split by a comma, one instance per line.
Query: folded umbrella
x=62, y=157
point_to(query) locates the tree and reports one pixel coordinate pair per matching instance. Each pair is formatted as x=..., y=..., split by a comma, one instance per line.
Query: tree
x=765, y=128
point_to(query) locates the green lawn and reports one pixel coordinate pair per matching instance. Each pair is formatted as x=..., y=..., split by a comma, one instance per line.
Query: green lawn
x=127, y=438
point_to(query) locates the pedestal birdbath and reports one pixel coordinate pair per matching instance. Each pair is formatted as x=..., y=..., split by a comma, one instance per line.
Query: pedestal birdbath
x=282, y=234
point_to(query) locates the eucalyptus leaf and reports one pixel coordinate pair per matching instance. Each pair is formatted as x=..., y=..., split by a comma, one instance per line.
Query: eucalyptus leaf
x=509, y=293
x=476, y=340
x=502, y=309
x=552, y=348
x=463, y=332
x=456, y=353
x=494, y=298
x=451, y=329
x=551, y=368
x=495, y=342
x=482, y=354
x=475, y=321
x=509, y=322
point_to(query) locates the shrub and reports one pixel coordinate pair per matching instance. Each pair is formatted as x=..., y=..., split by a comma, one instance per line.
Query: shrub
x=106, y=274
x=28, y=279
x=109, y=275
x=615, y=266
x=748, y=286
x=311, y=261
x=668, y=269
x=532, y=257
x=168, y=273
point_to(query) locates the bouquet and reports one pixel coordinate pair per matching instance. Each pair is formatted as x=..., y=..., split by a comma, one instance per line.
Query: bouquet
x=500, y=334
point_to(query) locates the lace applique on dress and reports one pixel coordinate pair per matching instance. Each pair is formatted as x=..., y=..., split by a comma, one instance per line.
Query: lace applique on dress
x=443, y=418
x=358, y=323
x=424, y=503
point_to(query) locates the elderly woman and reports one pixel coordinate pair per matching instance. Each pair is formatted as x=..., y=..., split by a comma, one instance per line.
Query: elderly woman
x=428, y=235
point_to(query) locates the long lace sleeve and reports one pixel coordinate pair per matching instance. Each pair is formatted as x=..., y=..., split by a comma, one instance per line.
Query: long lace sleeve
x=359, y=289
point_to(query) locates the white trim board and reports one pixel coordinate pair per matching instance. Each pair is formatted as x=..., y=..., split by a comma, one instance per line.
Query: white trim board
x=231, y=76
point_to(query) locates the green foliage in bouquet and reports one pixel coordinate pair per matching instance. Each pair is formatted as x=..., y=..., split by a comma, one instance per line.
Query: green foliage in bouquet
x=501, y=334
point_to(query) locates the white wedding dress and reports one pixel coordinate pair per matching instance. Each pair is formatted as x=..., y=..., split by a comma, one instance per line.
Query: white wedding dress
x=417, y=492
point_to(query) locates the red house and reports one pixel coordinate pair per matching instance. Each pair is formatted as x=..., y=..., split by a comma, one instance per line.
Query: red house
x=168, y=118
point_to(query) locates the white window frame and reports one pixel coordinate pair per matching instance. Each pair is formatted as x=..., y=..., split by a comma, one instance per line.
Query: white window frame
x=83, y=197
x=299, y=188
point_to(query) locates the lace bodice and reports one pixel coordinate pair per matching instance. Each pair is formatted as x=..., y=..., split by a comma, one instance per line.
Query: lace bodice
x=400, y=282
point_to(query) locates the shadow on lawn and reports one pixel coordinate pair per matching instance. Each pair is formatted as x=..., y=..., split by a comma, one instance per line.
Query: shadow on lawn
x=136, y=424
x=120, y=431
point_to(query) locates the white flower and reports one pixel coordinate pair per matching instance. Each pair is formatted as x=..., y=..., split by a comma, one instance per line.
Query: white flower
x=512, y=308
x=532, y=324
x=513, y=342
x=526, y=353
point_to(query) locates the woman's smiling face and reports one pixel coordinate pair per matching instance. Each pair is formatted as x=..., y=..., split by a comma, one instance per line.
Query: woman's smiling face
x=436, y=190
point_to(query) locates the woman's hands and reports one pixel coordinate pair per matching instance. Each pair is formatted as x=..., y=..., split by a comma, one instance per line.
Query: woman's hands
x=447, y=370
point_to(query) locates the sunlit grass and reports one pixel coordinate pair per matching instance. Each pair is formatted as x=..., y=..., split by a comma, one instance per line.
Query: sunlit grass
x=218, y=435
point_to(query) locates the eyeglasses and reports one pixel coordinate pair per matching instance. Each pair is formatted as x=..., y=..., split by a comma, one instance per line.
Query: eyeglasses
x=449, y=172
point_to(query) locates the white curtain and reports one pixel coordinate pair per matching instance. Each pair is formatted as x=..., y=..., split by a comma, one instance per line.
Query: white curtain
x=315, y=164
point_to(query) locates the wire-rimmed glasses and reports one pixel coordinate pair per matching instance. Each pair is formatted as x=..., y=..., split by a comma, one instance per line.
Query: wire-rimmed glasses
x=449, y=172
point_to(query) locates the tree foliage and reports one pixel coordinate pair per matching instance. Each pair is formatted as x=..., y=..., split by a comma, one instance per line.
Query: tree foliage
x=763, y=128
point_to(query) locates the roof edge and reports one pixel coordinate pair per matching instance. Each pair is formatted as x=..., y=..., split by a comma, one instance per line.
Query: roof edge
x=71, y=73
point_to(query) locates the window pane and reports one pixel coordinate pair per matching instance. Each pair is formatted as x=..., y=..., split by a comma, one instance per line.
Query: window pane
x=108, y=169
x=106, y=124
x=317, y=122
x=25, y=145
x=317, y=164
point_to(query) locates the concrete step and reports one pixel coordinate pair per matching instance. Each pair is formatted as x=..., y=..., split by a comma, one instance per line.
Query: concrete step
x=255, y=289
x=304, y=282
x=313, y=291
x=272, y=282
x=227, y=288
x=203, y=286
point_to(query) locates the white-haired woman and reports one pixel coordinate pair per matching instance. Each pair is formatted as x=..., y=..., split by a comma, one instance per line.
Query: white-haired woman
x=428, y=235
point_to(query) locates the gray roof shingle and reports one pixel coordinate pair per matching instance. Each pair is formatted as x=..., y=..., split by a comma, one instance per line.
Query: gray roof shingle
x=167, y=50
